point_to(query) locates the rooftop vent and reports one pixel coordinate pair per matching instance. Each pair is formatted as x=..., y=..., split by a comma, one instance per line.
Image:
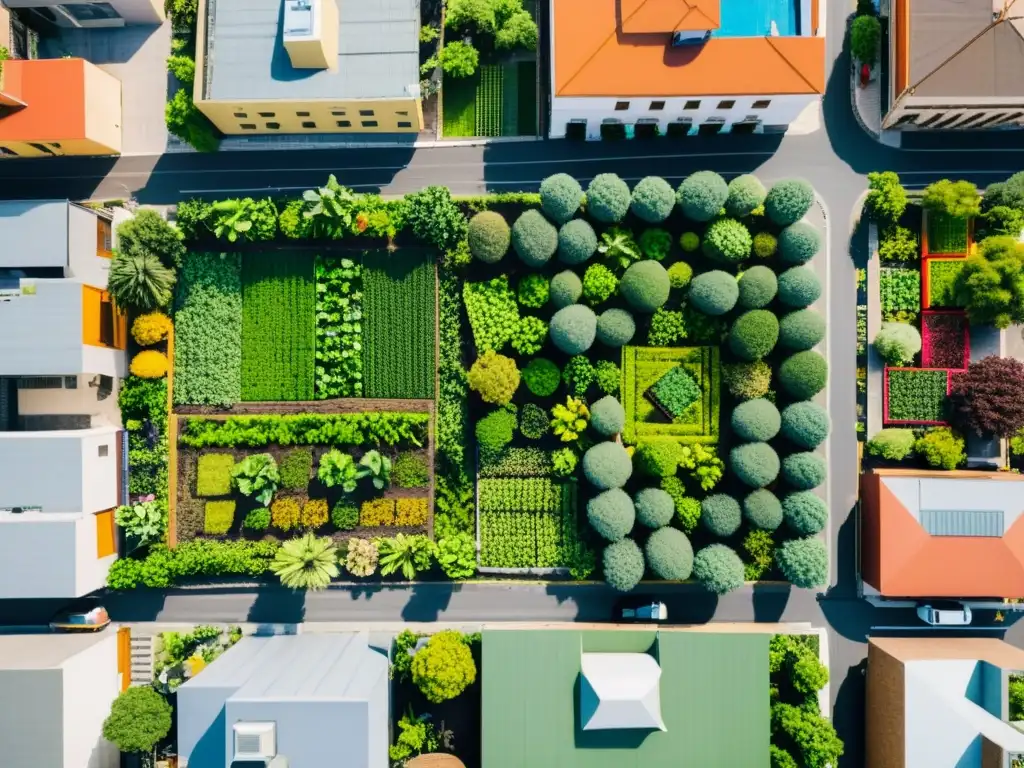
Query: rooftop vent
x=310, y=33
x=684, y=38
x=254, y=741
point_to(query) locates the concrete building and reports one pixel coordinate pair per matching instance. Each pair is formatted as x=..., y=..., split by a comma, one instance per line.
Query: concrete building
x=54, y=107
x=309, y=66
x=55, y=693
x=62, y=353
x=289, y=701
x=112, y=13
x=941, y=703
x=687, y=66
x=955, y=64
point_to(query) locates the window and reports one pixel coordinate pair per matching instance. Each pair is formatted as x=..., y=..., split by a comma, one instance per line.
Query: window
x=692, y=105
x=302, y=114
x=308, y=124
x=273, y=126
x=266, y=114
x=247, y=126
x=90, y=11
x=103, y=451
x=404, y=124
x=656, y=105
x=242, y=115
x=344, y=123
x=369, y=123
x=106, y=321
x=727, y=104
x=762, y=103
x=104, y=238
x=338, y=112
x=621, y=106
x=366, y=113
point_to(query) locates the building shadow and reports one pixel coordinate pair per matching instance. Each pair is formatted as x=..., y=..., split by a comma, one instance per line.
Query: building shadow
x=848, y=715
x=846, y=559
x=426, y=602
x=770, y=601
x=137, y=605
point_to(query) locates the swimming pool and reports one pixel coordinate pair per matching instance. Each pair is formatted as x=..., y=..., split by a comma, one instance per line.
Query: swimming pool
x=753, y=18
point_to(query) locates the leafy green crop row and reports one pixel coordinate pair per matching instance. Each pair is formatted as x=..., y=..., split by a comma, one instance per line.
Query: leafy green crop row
x=942, y=277
x=398, y=332
x=492, y=311
x=380, y=428
x=278, y=316
x=339, y=328
x=208, y=330
x=533, y=494
x=900, y=291
x=522, y=539
x=917, y=395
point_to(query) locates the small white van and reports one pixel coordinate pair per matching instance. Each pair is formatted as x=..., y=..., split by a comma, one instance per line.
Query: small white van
x=945, y=614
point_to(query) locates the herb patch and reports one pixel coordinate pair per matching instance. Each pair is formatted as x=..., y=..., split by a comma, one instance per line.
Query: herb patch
x=942, y=276
x=916, y=395
x=339, y=328
x=527, y=523
x=946, y=234
x=674, y=392
x=900, y=291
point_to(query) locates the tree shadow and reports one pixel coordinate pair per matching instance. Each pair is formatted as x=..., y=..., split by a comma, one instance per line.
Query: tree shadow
x=848, y=715
x=137, y=605
x=770, y=601
x=277, y=605
x=427, y=601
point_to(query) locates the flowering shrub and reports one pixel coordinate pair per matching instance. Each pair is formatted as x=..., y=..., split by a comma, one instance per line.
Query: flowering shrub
x=151, y=328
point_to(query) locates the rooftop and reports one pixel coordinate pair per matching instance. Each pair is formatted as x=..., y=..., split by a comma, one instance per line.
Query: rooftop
x=43, y=100
x=378, y=52
x=44, y=651
x=34, y=233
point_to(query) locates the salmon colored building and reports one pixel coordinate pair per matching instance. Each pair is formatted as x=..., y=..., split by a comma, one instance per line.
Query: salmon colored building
x=942, y=534
x=58, y=107
x=685, y=66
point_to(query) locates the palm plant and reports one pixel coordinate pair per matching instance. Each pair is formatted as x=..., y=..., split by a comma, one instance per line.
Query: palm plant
x=232, y=218
x=617, y=245
x=140, y=281
x=376, y=466
x=408, y=554
x=307, y=562
x=331, y=208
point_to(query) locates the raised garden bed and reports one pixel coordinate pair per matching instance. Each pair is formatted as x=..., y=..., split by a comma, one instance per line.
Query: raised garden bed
x=939, y=275
x=946, y=234
x=916, y=396
x=945, y=340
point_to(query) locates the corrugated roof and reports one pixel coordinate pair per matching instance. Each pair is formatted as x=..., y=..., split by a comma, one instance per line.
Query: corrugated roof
x=34, y=233
x=962, y=522
x=714, y=700
x=378, y=52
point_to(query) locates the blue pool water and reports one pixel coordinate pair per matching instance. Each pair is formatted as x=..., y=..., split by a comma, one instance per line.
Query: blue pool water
x=753, y=18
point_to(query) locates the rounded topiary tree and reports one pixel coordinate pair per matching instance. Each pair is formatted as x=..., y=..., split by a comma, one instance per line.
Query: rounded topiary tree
x=721, y=514
x=891, y=443
x=788, y=201
x=804, y=374
x=754, y=334
x=489, y=236
x=494, y=377
x=804, y=562
x=718, y=568
x=746, y=193
x=607, y=416
x=689, y=242
x=702, y=195
x=444, y=667
x=765, y=245
x=714, y=293
x=669, y=554
x=611, y=514
x=573, y=329
x=757, y=287
x=615, y=327
x=139, y=718
x=804, y=471
x=747, y=380
x=560, y=197
x=534, y=239
x=623, y=564
x=799, y=242
x=653, y=199
x=607, y=465
x=755, y=464
x=541, y=377
x=607, y=198
x=680, y=274
x=654, y=508
x=577, y=242
x=897, y=343
x=756, y=420
x=805, y=424
x=727, y=241
x=658, y=458
x=566, y=289
x=762, y=509
x=802, y=329
x=799, y=287
x=645, y=286
x=805, y=512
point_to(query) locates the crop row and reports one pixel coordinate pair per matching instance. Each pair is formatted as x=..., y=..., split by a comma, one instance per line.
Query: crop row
x=521, y=539
x=917, y=395
x=339, y=328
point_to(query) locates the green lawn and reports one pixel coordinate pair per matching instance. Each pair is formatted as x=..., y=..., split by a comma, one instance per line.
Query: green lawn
x=946, y=234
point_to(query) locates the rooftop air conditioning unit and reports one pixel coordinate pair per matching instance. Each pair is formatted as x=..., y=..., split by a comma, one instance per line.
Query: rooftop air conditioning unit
x=255, y=741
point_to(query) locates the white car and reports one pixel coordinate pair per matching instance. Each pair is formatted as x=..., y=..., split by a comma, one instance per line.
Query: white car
x=643, y=609
x=945, y=614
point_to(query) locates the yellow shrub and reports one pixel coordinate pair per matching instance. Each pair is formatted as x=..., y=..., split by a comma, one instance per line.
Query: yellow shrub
x=412, y=512
x=314, y=513
x=284, y=514
x=149, y=364
x=377, y=512
x=151, y=328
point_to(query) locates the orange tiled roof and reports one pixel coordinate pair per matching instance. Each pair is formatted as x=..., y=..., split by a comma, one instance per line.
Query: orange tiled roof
x=53, y=91
x=621, y=48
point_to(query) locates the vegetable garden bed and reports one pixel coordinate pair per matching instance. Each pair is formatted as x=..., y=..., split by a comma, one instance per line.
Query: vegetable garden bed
x=916, y=396
x=939, y=280
x=946, y=235
x=900, y=293
x=945, y=340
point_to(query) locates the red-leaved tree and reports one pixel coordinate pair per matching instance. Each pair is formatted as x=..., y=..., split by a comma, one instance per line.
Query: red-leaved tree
x=989, y=396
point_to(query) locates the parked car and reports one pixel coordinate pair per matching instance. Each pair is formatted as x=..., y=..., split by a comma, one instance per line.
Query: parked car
x=641, y=608
x=945, y=614
x=81, y=616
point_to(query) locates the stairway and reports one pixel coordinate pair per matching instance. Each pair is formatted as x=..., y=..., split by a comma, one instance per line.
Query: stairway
x=142, y=659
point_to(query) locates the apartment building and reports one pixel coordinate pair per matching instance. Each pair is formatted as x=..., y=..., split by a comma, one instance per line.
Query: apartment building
x=112, y=13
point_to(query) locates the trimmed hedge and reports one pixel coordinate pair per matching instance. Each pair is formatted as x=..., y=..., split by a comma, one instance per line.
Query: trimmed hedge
x=607, y=416
x=799, y=243
x=714, y=293
x=799, y=287
x=615, y=327
x=721, y=514
x=804, y=471
x=727, y=241
x=534, y=239
x=607, y=465
x=623, y=564
x=658, y=458
x=718, y=568
x=746, y=193
x=560, y=197
x=566, y=289
x=755, y=464
x=756, y=420
x=654, y=508
x=754, y=334
x=762, y=509
x=801, y=330
x=611, y=514
x=788, y=201
x=805, y=513
x=702, y=195
x=489, y=236
x=541, y=377
x=804, y=374
x=645, y=286
x=608, y=198
x=669, y=554
x=804, y=562
x=577, y=242
x=758, y=286
x=573, y=329
x=653, y=199
x=805, y=424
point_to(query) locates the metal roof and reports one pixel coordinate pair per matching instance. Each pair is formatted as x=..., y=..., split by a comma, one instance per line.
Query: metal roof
x=962, y=522
x=378, y=52
x=34, y=233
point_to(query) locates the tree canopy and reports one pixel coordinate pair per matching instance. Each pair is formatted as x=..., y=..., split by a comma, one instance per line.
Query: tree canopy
x=989, y=396
x=991, y=284
x=139, y=718
x=952, y=198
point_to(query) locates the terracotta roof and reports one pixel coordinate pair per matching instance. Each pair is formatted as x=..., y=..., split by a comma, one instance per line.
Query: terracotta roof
x=53, y=91
x=602, y=50
x=906, y=561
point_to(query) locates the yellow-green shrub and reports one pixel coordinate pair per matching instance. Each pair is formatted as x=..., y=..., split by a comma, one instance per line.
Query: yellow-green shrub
x=314, y=514
x=284, y=514
x=377, y=512
x=151, y=328
x=220, y=516
x=411, y=512
x=149, y=364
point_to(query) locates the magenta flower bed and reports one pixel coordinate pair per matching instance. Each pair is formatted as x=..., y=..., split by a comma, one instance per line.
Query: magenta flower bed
x=945, y=340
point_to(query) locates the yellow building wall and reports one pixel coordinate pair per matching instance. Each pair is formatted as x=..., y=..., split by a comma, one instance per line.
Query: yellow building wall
x=346, y=116
x=72, y=147
x=102, y=109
